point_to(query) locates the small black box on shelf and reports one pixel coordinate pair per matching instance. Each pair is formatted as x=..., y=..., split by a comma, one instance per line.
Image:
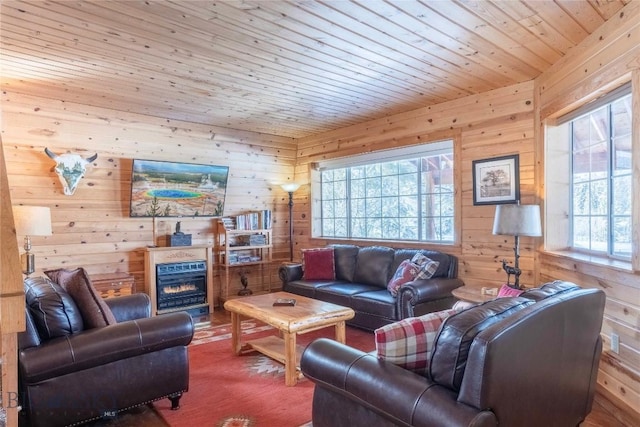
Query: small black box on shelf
x=180, y=240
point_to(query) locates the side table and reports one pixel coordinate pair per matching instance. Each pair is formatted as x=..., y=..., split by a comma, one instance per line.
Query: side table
x=113, y=284
x=471, y=294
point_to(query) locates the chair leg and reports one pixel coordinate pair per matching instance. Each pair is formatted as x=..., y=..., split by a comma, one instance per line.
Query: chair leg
x=175, y=401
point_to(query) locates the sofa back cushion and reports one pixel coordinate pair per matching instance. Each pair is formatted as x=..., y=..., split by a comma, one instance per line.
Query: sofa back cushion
x=549, y=289
x=450, y=352
x=345, y=261
x=373, y=266
x=443, y=259
x=52, y=309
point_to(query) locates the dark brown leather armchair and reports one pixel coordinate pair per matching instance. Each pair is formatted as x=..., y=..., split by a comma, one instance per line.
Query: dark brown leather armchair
x=535, y=366
x=89, y=374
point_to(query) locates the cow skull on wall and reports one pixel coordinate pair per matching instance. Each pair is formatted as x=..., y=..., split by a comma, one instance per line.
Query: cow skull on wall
x=70, y=168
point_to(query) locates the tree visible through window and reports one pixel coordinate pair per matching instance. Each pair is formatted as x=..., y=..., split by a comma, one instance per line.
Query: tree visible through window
x=405, y=199
x=601, y=179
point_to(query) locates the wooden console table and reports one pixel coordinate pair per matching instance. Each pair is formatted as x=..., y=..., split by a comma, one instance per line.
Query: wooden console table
x=113, y=284
x=163, y=255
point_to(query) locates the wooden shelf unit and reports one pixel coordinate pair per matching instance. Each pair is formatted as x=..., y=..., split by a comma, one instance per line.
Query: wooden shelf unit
x=226, y=249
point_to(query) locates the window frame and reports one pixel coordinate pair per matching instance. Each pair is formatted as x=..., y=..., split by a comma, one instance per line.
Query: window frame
x=559, y=190
x=380, y=156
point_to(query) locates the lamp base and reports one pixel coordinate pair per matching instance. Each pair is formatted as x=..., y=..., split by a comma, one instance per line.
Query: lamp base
x=28, y=261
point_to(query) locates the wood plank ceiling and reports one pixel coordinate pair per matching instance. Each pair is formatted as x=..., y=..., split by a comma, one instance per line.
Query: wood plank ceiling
x=290, y=68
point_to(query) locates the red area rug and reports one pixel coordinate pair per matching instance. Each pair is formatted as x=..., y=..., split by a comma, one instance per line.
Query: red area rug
x=226, y=390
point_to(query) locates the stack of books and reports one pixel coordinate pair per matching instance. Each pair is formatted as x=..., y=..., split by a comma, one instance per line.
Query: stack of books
x=260, y=220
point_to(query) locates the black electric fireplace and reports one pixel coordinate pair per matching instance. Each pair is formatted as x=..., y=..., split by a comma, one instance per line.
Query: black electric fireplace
x=182, y=286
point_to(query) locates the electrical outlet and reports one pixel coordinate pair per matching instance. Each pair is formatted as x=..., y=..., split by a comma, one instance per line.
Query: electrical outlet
x=615, y=343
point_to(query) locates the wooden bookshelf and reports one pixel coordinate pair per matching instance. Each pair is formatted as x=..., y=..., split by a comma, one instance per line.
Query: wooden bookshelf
x=236, y=249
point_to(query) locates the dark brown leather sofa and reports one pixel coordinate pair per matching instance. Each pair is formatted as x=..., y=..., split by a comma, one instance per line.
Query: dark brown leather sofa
x=509, y=362
x=362, y=274
x=89, y=374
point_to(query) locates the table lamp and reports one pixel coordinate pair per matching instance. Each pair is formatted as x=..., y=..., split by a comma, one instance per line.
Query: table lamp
x=290, y=188
x=31, y=221
x=517, y=220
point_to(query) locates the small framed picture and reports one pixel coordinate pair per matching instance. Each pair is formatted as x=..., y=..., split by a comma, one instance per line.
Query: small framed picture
x=496, y=181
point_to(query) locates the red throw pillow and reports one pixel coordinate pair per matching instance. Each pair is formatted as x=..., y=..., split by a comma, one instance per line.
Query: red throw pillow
x=508, y=291
x=318, y=264
x=406, y=272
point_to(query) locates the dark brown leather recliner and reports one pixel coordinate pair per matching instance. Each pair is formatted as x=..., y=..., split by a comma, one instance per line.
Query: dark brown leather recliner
x=525, y=361
x=81, y=375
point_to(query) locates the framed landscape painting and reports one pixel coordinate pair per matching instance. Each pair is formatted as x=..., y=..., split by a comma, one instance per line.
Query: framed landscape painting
x=496, y=181
x=177, y=189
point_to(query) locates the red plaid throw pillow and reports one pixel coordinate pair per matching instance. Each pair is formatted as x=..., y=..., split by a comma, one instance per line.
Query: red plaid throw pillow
x=408, y=342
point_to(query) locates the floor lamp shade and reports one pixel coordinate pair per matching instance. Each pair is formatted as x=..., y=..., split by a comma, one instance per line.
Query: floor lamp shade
x=31, y=221
x=290, y=188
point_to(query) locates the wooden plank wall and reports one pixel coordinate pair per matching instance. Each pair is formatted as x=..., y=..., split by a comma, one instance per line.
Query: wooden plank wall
x=92, y=228
x=491, y=124
x=504, y=122
x=608, y=57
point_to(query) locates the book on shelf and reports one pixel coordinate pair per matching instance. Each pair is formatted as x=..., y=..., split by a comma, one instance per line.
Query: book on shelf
x=228, y=222
x=259, y=220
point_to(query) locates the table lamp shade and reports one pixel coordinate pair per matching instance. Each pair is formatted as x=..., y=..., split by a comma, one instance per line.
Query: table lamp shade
x=32, y=220
x=517, y=220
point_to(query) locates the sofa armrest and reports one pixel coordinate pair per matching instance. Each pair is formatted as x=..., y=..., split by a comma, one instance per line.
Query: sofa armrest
x=417, y=292
x=288, y=272
x=130, y=307
x=393, y=393
x=429, y=289
x=99, y=346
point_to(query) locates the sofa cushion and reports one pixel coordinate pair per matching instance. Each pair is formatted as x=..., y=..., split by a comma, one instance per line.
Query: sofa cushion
x=307, y=288
x=95, y=312
x=345, y=261
x=375, y=301
x=318, y=264
x=52, y=309
x=408, y=343
x=449, y=356
x=406, y=272
x=373, y=266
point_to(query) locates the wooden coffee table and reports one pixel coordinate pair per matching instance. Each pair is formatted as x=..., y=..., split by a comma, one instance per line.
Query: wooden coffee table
x=307, y=315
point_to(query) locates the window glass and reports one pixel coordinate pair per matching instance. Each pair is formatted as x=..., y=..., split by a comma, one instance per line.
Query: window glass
x=601, y=179
x=400, y=199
